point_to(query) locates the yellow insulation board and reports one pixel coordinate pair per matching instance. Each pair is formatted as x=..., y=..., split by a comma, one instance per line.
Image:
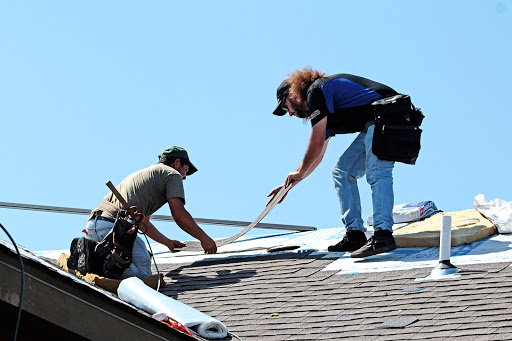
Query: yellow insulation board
x=468, y=226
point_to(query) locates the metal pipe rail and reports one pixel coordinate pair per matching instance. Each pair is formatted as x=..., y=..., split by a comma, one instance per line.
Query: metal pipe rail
x=57, y=209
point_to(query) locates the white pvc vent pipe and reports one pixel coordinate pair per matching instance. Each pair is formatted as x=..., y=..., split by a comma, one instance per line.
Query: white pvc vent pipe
x=444, y=269
x=446, y=238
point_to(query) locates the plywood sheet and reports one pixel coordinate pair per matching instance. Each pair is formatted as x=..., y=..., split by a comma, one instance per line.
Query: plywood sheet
x=468, y=226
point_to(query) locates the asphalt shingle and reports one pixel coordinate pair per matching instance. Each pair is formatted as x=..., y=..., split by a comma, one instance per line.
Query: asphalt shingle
x=288, y=297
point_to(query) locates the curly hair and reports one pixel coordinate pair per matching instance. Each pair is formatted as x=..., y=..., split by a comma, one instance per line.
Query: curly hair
x=301, y=80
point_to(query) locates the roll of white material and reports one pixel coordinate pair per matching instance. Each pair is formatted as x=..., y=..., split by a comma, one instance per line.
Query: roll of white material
x=132, y=290
x=446, y=238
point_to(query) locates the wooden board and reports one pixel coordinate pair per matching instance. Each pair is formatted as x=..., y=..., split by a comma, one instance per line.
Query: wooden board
x=468, y=226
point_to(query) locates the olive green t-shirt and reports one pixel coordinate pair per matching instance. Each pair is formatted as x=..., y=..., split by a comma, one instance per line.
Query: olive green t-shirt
x=148, y=189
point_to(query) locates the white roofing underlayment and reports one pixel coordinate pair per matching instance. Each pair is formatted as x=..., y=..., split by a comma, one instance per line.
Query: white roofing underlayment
x=497, y=248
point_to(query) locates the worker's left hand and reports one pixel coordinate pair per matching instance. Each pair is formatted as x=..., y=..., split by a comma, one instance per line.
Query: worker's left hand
x=173, y=244
x=273, y=193
x=276, y=190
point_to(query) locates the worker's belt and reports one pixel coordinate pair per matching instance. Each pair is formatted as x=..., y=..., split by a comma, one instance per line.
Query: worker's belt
x=105, y=219
x=97, y=215
x=108, y=207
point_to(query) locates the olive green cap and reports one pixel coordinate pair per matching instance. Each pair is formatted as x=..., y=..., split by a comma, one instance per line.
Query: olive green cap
x=174, y=152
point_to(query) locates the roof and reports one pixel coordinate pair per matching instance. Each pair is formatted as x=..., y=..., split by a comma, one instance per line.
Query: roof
x=288, y=297
x=315, y=295
x=310, y=294
x=61, y=306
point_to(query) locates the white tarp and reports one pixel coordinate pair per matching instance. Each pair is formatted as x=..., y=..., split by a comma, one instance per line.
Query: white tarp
x=410, y=212
x=498, y=211
x=132, y=290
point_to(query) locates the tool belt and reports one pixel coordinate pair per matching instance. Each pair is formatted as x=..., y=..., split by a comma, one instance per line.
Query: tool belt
x=115, y=250
x=397, y=129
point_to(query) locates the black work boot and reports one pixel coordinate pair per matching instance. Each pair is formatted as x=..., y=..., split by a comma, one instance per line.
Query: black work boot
x=352, y=241
x=88, y=260
x=381, y=241
x=73, y=255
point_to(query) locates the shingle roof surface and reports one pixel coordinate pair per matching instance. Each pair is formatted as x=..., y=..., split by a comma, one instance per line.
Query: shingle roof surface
x=288, y=297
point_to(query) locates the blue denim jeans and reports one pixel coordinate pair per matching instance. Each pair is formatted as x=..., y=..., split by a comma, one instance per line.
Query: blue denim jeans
x=141, y=261
x=357, y=161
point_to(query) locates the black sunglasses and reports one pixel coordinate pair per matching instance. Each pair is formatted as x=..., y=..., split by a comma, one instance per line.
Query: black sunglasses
x=283, y=104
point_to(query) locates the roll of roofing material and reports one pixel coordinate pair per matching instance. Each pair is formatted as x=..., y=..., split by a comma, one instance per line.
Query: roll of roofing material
x=132, y=290
x=196, y=246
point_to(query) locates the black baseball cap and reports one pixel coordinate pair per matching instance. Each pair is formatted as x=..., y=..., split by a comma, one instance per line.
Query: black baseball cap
x=282, y=92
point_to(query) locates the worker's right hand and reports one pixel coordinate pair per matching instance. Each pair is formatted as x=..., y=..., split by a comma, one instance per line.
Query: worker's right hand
x=174, y=244
x=209, y=245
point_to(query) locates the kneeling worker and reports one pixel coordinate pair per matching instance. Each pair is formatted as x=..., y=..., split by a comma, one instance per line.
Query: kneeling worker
x=148, y=189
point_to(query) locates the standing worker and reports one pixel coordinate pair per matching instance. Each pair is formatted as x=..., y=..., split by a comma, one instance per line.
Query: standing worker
x=148, y=189
x=341, y=104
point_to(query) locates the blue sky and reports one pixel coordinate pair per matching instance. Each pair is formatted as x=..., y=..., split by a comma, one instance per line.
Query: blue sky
x=91, y=92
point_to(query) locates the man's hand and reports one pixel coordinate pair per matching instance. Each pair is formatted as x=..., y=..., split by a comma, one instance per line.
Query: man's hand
x=209, y=245
x=173, y=244
x=276, y=190
x=273, y=193
x=293, y=177
x=153, y=233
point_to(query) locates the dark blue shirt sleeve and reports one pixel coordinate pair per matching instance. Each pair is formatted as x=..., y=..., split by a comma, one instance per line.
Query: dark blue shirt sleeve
x=316, y=105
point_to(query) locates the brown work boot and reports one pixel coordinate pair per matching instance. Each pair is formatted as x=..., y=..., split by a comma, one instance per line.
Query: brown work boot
x=381, y=241
x=352, y=241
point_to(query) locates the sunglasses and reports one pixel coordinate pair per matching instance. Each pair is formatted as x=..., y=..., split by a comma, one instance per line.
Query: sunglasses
x=283, y=104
